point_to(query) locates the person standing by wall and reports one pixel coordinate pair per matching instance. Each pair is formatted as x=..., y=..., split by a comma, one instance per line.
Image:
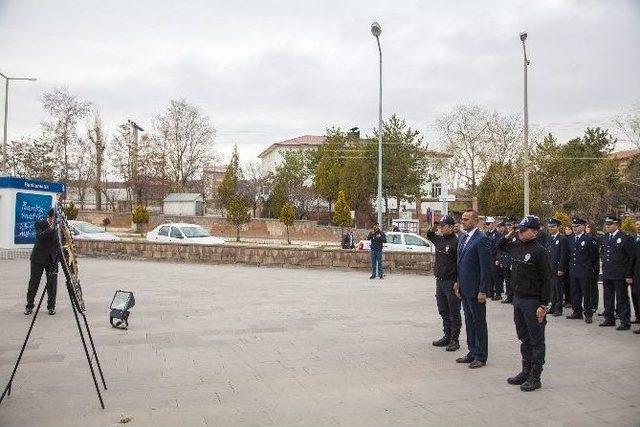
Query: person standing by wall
x=44, y=258
x=377, y=238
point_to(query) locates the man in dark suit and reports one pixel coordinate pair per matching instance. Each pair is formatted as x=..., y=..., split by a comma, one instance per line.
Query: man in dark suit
x=617, y=255
x=44, y=258
x=635, y=286
x=583, y=256
x=474, y=281
x=557, y=249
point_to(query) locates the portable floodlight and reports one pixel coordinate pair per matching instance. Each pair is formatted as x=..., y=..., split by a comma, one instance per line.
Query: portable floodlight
x=120, y=305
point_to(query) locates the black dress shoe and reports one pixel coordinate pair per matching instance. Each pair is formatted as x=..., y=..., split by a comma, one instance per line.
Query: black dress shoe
x=52, y=311
x=465, y=359
x=476, y=364
x=588, y=320
x=623, y=328
x=637, y=332
x=442, y=342
x=507, y=301
x=372, y=277
x=28, y=311
x=607, y=323
x=453, y=345
x=574, y=316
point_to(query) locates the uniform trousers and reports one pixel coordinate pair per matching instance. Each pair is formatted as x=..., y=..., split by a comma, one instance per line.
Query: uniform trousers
x=448, y=307
x=616, y=296
x=530, y=332
x=581, y=295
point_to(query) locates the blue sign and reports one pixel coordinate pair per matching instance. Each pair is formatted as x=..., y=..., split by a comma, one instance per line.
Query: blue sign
x=29, y=209
x=31, y=184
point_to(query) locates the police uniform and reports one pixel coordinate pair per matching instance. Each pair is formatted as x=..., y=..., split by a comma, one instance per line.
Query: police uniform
x=617, y=253
x=530, y=279
x=497, y=274
x=583, y=258
x=635, y=287
x=595, y=277
x=445, y=271
x=493, y=235
x=557, y=250
x=505, y=263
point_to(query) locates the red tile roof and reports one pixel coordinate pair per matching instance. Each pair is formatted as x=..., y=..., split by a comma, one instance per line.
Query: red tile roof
x=626, y=154
x=301, y=141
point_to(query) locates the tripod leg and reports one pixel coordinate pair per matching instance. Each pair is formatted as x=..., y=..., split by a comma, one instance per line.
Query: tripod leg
x=7, y=390
x=84, y=343
x=93, y=347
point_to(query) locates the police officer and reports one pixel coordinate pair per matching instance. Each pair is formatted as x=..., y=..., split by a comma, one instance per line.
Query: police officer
x=557, y=250
x=505, y=261
x=617, y=253
x=635, y=288
x=496, y=272
x=44, y=258
x=530, y=281
x=493, y=235
x=445, y=271
x=583, y=257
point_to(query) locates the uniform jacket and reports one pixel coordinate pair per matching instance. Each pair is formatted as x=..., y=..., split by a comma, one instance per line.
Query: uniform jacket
x=583, y=256
x=474, y=264
x=45, y=250
x=446, y=255
x=636, y=264
x=617, y=254
x=558, y=250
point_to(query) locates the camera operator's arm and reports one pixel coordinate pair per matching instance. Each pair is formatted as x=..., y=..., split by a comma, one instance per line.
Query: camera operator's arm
x=45, y=230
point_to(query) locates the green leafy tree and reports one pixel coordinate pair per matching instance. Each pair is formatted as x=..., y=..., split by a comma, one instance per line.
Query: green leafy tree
x=330, y=158
x=229, y=185
x=501, y=191
x=277, y=199
x=342, y=214
x=293, y=176
x=238, y=213
x=628, y=225
x=287, y=217
x=139, y=216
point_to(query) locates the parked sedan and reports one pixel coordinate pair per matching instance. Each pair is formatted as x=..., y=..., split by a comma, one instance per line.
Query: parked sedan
x=82, y=230
x=399, y=241
x=183, y=233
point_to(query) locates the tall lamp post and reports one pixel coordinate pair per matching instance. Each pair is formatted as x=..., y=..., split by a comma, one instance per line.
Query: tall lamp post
x=5, y=159
x=376, y=30
x=523, y=37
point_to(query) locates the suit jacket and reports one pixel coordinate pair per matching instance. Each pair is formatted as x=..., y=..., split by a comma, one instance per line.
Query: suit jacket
x=474, y=264
x=557, y=248
x=583, y=256
x=45, y=250
x=617, y=255
x=636, y=265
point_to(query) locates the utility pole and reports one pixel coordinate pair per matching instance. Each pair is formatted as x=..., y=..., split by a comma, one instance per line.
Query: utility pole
x=137, y=190
x=523, y=37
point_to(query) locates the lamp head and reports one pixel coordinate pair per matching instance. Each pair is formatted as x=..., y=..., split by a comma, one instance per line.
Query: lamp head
x=523, y=36
x=376, y=29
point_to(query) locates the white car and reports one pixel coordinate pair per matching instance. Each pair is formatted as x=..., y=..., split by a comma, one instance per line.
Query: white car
x=399, y=241
x=82, y=230
x=183, y=233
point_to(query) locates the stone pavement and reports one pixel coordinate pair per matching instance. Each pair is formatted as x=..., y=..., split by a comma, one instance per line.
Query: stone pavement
x=231, y=345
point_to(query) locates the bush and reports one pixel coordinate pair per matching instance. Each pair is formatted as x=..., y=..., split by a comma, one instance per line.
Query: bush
x=140, y=215
x=70, y=211
x=105, y=222
x=628, y=225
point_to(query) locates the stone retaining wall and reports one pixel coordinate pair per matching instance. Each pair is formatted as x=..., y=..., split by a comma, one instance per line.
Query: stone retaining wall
x=405, y=262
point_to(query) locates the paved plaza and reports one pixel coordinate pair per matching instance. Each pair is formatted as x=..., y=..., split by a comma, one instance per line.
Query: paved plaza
x=214, y=345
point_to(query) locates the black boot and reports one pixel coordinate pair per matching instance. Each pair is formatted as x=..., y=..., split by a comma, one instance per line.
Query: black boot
x=442, y=342
x=522, y=376
x=454, y=344
x=533, y=382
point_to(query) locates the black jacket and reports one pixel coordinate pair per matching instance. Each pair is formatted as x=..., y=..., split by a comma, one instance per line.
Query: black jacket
x=377, y=240
x=617, y=255
x=446, y=255
x=583, y=256
x=347, y=242
x=636, y=264
x=45, y=251
x=558, y=250
x=529, y=268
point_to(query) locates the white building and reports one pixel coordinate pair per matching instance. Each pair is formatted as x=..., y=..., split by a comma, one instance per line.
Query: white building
x=274, y=154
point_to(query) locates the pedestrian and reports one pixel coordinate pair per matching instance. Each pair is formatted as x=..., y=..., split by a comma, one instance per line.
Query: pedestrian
x=530, y=281
x=635, y=287
x=445, y=271
x=583, y=255
x=590, y=229
x=347, y=241
x=492, y=234
x=617, y=253
x=557, y=250
x=568, y=233
x=474, y=279
x=44, y=258
x=377, y=238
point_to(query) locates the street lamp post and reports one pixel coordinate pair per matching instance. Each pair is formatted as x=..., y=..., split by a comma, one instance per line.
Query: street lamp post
x=376, y=30
x=5, y=160
x=523, y=37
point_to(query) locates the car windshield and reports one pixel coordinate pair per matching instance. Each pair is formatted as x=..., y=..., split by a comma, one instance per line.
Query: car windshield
x=194, y=231
x=88, y=228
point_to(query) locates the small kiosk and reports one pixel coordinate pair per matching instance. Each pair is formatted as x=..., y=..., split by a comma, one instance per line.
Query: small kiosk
x=22, y=203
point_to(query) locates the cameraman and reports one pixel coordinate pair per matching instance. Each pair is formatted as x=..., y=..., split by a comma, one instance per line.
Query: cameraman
x=44, y=257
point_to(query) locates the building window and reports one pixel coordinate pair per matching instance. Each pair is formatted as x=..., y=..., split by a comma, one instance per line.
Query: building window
x=436, y=189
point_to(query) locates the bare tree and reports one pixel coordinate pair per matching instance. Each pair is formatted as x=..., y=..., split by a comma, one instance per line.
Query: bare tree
x=120, y=155
x=187, y=139
x=629, y=124
x=65, y=111
x=98, y=140
x=83, y=171
x=255, y=178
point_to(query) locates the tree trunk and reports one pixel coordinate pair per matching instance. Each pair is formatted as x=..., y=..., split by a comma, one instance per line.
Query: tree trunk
x=237, y=233
x=288, y=240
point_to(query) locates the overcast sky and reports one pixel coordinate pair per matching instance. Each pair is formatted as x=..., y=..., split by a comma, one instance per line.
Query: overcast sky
x=265, y=71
